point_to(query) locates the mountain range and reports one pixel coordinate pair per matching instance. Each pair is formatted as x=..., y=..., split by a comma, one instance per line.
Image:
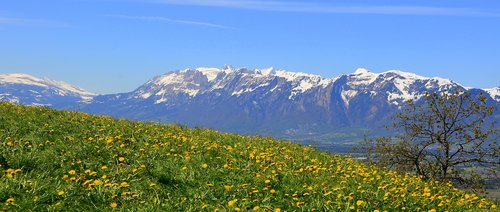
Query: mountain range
x=298, y=106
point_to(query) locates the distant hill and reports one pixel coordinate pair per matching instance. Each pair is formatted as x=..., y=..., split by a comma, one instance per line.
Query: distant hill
x=62, y=160
x=30, y=90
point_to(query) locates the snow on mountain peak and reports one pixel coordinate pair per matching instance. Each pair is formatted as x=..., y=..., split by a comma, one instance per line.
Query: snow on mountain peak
x=210, y=73
x=22, y=79
x=397, y=85
x=267, y=71
x=406, y=75
x=362, y=71
x=362, y=77
x=61, y=87
x=494, y=93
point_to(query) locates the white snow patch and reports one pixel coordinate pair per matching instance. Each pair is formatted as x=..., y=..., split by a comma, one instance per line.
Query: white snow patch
x=304, y=86
x=161, y=100
x=191, y=92
x=406, y=75
x=494, y=93
x=247, y=90
x=292, y=76
x=347, y=95
x=210, y=73
x=145, y=95
x=170, y=78
x=362, y=77
x=267, y=71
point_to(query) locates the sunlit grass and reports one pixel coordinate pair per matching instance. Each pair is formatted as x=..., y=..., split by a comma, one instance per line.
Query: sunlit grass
x=58, y=160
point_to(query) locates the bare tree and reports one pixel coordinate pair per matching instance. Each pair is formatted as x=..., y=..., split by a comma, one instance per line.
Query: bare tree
x=445, y=138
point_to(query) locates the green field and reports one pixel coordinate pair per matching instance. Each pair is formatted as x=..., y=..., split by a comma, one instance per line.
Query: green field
x=60, y=160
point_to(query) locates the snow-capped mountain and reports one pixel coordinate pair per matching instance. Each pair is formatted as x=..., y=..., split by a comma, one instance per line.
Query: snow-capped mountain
x=267, y=101
x=30, y=90
x=272, y=101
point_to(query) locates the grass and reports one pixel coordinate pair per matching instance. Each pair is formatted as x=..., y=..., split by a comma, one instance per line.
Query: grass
x=61, y=160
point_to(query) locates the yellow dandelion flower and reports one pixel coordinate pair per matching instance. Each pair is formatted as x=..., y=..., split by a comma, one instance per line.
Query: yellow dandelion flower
x=204, y=166
x=432, y=210
x=256, y=208
x=114, y=204
x=10, y=200
x=267, y=181
x=97, y=182
x=124, y=184
x=232, y=202
x=184, y=168
x=121, y=159
x=272, y=191
x=60, y=193
x=104, y=168
x=72, y=172
x=376, y=210
x=360, y=202
x=277, y=210
x=227, y=187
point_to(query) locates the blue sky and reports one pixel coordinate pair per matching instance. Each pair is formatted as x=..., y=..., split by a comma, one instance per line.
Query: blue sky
x=110, y=46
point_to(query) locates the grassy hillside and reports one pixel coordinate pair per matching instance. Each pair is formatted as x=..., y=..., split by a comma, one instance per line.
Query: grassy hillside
x=60, y=160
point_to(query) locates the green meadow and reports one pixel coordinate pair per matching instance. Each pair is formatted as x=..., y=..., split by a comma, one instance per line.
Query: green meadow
x=60, y=160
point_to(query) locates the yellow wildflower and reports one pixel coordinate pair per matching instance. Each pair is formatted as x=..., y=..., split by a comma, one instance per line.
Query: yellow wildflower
x=232, y=202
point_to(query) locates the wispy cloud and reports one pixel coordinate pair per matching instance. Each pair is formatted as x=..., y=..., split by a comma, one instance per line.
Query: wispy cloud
x=31, y=22
x=169, y=20
x=286, y=6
